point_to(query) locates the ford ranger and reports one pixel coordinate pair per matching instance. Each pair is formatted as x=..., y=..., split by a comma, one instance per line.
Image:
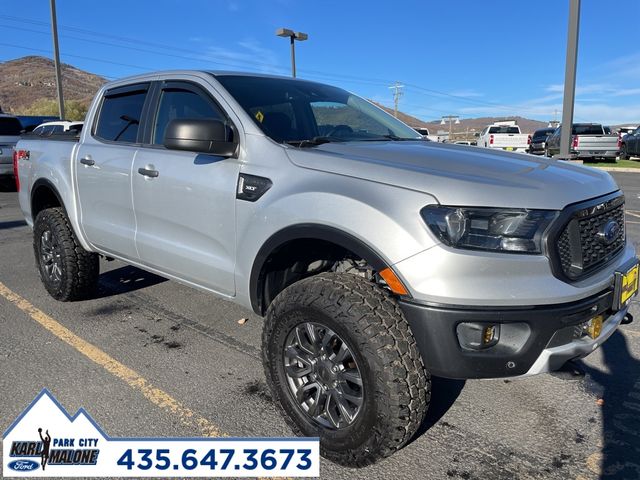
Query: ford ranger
x=377, y=258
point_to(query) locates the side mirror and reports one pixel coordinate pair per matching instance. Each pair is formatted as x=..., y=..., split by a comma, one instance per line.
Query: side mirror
x=200, y=135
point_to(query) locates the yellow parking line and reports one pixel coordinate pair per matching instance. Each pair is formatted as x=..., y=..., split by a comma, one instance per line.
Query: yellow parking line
x=632, y=213
x=136, y=381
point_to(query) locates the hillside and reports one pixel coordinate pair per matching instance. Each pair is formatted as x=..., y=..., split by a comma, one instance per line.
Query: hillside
x=25, y=80
x=28, y=79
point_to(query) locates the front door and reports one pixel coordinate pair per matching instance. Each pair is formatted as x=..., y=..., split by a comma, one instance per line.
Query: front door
x=185, y=201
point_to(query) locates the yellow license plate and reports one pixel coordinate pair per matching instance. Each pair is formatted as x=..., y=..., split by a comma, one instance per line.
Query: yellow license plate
x=628, y=285
x=509, y=149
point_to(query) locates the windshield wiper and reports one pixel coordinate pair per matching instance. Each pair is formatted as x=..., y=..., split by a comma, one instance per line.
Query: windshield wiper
x=312, y=142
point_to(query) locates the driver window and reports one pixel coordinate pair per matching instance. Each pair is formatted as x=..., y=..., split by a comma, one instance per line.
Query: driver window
x=177, y=103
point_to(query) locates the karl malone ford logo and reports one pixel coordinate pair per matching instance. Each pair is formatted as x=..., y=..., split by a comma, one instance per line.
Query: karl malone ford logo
x=46, y=441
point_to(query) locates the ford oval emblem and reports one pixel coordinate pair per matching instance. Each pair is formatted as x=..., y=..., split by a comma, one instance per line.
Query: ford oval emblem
x=23, y=465
x=609, y=232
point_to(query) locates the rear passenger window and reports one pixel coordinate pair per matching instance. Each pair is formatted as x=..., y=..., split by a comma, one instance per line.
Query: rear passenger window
x=120, y=116
x=176, y=103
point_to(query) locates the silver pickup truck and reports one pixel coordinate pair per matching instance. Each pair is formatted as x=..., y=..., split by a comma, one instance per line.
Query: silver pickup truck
x=378, y=258
x=589, y=141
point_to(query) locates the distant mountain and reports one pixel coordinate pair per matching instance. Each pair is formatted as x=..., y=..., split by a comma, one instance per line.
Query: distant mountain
x=25, y=80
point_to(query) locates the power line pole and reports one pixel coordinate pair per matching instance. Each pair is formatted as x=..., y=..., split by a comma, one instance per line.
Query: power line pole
x=56, y=53
x=570, y=78
x=397, y=93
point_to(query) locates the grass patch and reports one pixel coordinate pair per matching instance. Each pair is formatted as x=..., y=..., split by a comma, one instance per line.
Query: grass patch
x=618, y=163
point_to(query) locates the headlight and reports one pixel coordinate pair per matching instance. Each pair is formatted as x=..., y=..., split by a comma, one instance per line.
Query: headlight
x=501, y=230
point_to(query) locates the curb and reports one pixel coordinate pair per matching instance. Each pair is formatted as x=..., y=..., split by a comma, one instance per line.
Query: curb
x=616, y=169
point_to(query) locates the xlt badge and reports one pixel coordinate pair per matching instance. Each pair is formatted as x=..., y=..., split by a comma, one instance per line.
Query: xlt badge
x=252, y=187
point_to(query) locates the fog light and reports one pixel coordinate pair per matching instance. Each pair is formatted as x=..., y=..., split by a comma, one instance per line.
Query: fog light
x=593, y=327
x=477, y=336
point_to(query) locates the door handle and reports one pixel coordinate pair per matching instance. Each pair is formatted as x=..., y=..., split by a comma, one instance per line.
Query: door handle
x=87, y=161
x=148, y=173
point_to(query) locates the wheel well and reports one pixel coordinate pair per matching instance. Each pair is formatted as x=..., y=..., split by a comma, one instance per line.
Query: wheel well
x=288, y=261
x=43, y=196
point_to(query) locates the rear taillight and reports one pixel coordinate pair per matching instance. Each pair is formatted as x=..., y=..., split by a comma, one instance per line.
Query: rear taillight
x=17, y=156
x=529, y=140
x=490, y=139
x=574, y=144
x=619, y=139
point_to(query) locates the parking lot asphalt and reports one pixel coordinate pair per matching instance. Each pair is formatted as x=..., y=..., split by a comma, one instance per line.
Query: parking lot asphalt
x=152, y=358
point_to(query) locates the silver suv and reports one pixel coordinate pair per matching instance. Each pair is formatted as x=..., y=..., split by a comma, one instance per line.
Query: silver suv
x=378, y=258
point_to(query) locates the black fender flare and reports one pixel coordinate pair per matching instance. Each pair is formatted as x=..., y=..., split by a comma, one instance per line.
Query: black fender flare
x=309, y=231
x=43, y=182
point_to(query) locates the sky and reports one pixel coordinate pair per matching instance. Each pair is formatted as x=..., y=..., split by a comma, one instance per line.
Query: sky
x=466, y=57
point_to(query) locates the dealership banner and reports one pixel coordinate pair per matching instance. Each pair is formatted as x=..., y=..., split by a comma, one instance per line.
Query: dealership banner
x=45, y=441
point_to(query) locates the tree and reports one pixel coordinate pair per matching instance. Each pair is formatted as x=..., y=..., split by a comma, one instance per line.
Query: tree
x=73, y=109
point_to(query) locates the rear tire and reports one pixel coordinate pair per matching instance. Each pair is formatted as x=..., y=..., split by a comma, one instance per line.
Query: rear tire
x=394, y=389
x=67, y=271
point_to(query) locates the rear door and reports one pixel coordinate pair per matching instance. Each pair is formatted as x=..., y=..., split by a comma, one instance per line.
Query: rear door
x=186, y=214
x=104, y=161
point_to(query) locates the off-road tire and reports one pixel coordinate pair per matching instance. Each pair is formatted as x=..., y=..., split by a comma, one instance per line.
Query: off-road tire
x=397, y=388
x=79, y=269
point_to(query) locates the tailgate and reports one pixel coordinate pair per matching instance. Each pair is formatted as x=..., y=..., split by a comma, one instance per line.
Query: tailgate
x=7, y=142
x=514, y=140
x=597, y=143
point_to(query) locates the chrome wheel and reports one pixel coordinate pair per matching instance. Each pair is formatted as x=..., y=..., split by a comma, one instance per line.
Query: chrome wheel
x=50, y=257
x=323, y=375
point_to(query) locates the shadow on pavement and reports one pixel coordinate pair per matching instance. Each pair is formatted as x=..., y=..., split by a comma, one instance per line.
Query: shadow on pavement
x=444, y=393
x=126, y=279
x=12, y=224
x=619, y=387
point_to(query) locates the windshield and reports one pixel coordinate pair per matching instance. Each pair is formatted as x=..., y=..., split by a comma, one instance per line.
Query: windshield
x=297, y=111
x=10, y=126
x=504, y=129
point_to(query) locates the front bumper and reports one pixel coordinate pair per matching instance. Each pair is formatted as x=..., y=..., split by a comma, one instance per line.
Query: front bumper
x=532, y=340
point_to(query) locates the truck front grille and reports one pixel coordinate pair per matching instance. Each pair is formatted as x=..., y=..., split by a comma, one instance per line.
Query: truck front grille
x=592, y=236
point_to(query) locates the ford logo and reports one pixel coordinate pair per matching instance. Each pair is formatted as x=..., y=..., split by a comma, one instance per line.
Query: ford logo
x=609, y=232
x=23, y=465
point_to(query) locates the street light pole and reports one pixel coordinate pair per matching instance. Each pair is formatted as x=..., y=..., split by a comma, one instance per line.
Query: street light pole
x=56, y=54
x=451, y=119
x=570, y=78
x=293, y=36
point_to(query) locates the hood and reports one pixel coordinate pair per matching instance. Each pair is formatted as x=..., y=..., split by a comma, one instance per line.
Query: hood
x=461, y=175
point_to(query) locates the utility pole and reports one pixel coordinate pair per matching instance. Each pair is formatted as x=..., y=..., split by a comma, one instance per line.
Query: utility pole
x=570, y=78
x=397, y=93
x=56, y=54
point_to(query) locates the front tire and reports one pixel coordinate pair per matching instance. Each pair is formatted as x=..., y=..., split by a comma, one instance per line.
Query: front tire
x=67, y=271
x=343, y=365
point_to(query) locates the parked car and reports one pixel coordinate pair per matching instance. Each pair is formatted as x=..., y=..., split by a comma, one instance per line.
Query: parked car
x=29, y=122
x=505, y=136
x=588, y=142
x=630, y=145
x=539, y=140
x=10, y=128
x=425, y=133
x=49, y=128
x=377, y=258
